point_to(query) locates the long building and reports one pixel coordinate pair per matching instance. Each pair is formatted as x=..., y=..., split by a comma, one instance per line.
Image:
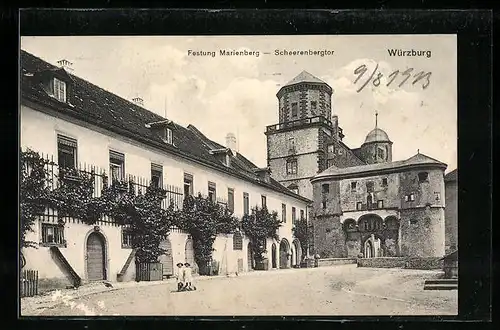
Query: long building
x=74, y=122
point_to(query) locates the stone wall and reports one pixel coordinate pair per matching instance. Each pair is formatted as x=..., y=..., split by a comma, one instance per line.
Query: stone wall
x=401, y=262
x=335, y=261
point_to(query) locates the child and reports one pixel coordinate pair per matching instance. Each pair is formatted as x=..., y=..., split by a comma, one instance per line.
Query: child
x=188, y=277
x=180, y=276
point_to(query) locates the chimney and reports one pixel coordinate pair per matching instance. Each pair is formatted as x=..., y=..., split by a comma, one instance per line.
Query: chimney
x=139, y=101
x=231, y=142
x=65, y=64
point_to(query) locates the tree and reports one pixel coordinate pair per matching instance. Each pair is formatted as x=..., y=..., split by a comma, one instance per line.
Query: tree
x=258, y=226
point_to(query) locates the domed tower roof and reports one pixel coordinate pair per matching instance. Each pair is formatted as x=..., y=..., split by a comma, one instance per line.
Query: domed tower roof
x=377, y=135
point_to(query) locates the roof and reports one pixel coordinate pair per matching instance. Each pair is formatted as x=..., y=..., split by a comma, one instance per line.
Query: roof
x=451, y=176
x=377, y=135
x=104, y=109
x=303, y=77
x=353, y=171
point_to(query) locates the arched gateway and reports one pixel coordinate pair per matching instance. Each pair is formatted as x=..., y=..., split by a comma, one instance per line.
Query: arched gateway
x=284, y=251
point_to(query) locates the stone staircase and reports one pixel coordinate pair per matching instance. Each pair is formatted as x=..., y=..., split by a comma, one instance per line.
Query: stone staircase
x=441, y=284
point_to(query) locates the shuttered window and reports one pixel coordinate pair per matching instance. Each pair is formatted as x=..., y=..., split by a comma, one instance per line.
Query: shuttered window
x=116, y=165
x=230, y=199
x=66, y=151
x=212, y=192
x=246, y=203
x=188, y=184
x=156, y=175
x=237, y=241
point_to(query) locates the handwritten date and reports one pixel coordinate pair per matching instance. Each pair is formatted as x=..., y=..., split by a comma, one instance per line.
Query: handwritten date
x=407, y=75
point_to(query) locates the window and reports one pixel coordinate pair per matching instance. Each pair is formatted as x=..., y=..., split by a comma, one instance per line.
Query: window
x=283, y=213
x=230, y=199
x=246, y=203
x=359, y=206
x=380, y=204
x=52, y=234
x=295, y=109
x=437, y=196
x=126, y=238
x=60, y=90
x=116, y=165
x=412, y=197
x=325, y=188
x=291, y=166
x=168, y=136
x=331, y=149
x=294, y=215
x=156, y=175
x=291, y=143
x=324, y=205
x=212, y=192
x=264, y=201
x=330, y=163
x=302, y=214
x=423, y=176
x=313, y=106
x=237, y=241
x=413, y=221
x=188, y=185
x=369, y=200
x=66, y=151
x=381, y=153
x=369, y=186
x=384, y=182
x=353, y=186
x=294, y=189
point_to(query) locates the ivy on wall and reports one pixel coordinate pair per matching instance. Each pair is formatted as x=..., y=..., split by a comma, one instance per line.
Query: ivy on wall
x=258, y=226
x=301, y=231
x=34, y=193
x=204, y=219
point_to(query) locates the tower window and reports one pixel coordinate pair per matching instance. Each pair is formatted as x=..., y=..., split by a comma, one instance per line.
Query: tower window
x=423, y=176
x=295, y=109
x=380, y=204
x=291, y=144
x=413, y=221
x=437, y=196
x=324, y=205
x=291, y=166
x=331, y=149
x=353, y=186
x=359, y=206
x=381, y=153
x=325, y=188
x=369, y=186
x=313, y=106
x=384, y=182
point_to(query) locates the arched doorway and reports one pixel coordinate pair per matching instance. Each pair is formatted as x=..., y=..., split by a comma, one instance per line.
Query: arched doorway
x=96, y=257
x=368, y=249
x=189, y=254
x=292, y=258
x=167, y=259
x=273, y=256
x=284, y=250
x=250, y=257
x=297, y=248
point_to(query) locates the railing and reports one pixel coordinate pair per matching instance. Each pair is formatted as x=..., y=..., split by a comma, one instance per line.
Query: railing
x=57, y=175
x=299, y=122
x=29, y=283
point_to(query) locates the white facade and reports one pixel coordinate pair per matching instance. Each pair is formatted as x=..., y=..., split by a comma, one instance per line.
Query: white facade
x=39, y=132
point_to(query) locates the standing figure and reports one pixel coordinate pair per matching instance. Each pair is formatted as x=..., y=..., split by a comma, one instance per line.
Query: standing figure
x=188, y=277
x=180, y=276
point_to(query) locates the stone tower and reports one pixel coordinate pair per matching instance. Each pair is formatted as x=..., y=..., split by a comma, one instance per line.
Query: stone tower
x=377, y=147
x=297, y=145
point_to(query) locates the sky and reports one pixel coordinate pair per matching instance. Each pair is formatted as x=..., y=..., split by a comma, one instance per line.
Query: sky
x=237, y=94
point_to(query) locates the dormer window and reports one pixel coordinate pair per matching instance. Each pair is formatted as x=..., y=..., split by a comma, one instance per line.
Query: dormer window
x=168, y=136
x=59, y=90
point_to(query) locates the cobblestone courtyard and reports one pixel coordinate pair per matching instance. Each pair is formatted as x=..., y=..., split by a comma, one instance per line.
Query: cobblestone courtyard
x=339, y=290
